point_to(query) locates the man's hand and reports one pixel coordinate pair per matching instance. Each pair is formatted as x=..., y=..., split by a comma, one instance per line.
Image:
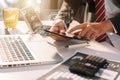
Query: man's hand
x=58, y=27
x=91, y=30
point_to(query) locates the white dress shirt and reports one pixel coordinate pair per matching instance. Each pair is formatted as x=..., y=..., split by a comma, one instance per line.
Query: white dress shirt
x=111, y=9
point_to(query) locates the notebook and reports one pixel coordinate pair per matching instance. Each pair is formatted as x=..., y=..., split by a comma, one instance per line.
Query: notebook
x=14, y=52
x=114, y=39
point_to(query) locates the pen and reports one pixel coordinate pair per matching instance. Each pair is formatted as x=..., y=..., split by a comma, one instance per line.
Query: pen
x=82, y=44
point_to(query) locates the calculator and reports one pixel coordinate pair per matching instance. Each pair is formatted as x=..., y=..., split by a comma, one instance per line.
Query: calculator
x=82, y=66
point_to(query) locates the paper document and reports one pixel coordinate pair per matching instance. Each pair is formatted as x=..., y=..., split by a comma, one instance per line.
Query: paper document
x=66, y=44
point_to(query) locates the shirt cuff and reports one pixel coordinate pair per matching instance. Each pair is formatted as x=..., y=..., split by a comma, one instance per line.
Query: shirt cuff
x=115, y=31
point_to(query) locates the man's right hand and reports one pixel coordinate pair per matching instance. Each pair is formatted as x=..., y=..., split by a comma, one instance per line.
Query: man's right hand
x=58, y=27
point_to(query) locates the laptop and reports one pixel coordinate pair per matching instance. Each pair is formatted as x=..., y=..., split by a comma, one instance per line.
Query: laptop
x=14, y=52
x=114, y=39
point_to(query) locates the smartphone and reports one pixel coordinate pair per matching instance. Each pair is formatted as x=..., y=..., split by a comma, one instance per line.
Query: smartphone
x=64, y=36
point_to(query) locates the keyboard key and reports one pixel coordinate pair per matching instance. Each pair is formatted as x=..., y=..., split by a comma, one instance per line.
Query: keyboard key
x=14, y=49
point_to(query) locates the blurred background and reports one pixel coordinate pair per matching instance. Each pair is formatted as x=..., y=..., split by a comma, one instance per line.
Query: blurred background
x=47, y=9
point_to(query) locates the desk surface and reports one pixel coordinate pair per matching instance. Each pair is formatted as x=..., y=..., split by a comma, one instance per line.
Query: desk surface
x=34, y=72
x=21, y=27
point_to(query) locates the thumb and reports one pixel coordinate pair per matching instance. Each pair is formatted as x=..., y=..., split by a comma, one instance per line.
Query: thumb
x=62, y=29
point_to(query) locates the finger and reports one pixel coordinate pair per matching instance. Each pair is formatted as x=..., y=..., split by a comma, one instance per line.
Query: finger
x=54, y=28
x=76, y=31
x=88, y=35
x=84, y=32
x=81, y=26
x=93, y=36
x=62, y=29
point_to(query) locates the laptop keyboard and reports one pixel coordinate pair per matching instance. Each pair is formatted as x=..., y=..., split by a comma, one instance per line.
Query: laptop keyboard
x=13, y=49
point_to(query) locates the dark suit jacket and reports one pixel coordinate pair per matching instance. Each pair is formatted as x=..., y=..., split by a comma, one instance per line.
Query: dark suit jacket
x=79, y=9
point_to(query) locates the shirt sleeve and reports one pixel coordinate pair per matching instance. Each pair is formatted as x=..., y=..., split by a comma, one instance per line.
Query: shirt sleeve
x=62, y=12
x=116, y=23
